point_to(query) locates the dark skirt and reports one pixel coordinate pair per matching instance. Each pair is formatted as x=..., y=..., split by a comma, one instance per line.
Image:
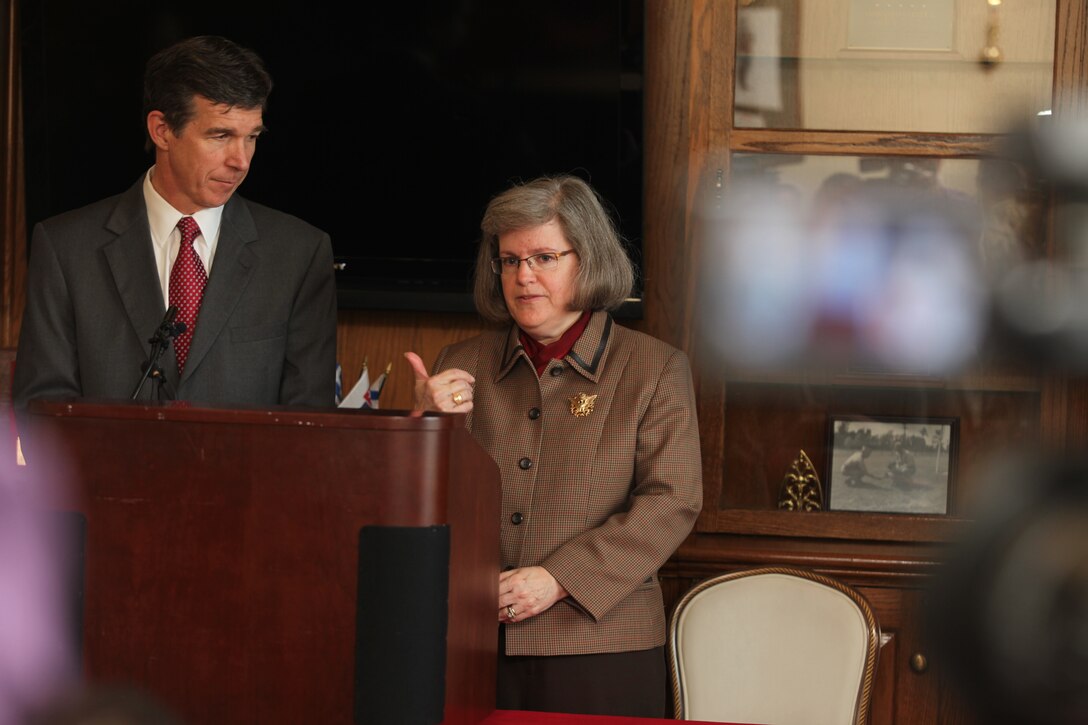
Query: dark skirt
x=630, y=684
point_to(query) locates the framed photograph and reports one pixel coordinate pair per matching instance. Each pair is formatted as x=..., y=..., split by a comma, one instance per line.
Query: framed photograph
x=891, y=465
x=766, y=89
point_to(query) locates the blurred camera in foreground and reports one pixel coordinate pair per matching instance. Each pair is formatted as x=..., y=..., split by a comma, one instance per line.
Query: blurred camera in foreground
x=901, y=265
x=1009, y=612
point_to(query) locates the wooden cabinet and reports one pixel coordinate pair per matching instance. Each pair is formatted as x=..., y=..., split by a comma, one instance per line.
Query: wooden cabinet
x=754, y=422
x=910, y=686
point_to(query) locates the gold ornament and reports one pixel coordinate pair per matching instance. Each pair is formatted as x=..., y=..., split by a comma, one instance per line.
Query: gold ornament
x=801, y=489
x=581, y=405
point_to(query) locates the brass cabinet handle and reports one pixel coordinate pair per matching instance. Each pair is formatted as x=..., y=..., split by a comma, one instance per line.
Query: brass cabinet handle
x=919, y=663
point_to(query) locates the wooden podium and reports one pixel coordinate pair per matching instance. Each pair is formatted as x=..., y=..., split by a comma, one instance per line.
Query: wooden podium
x=225, y=557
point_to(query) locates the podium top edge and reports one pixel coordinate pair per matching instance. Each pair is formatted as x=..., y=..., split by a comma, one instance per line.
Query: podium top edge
x=279, y=415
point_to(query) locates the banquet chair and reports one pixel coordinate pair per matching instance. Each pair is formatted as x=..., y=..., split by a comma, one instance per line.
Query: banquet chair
x=773, y=645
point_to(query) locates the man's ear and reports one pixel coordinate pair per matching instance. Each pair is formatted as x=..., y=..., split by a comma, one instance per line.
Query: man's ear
x=159, y=130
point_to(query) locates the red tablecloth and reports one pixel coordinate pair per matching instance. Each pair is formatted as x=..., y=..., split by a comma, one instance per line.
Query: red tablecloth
x=518, y=717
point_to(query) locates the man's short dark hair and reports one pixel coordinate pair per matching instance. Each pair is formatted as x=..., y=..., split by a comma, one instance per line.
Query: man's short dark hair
x=208, y=66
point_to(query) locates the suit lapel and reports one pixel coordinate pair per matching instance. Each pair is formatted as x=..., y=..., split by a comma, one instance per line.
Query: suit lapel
x=232, y=269
x=590, y=351
x=132, y=263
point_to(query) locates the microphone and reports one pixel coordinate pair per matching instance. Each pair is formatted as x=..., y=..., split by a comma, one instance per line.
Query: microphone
x=167, y=330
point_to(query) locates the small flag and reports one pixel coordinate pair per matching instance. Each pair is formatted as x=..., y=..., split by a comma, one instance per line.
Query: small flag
x=339, y=384
x=376, y=388
x=357, y=397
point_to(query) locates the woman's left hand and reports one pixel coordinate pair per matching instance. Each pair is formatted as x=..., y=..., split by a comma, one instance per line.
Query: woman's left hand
x=527, y=592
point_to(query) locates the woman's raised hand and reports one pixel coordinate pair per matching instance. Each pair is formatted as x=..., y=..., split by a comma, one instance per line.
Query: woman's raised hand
x=450, y=391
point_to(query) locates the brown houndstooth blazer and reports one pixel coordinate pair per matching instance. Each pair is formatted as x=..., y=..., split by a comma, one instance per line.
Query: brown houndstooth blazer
x=600, y=501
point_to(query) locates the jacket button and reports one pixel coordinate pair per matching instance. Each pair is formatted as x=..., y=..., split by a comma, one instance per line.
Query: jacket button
x=534, y=413
x=525, y=464
x=516, y=518
x=557, y=371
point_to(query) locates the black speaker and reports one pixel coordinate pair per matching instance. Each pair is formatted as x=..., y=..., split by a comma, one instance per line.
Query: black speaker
x=400, y=626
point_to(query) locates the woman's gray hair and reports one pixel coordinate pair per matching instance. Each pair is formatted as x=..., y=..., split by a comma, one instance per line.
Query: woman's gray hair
x=605, y=274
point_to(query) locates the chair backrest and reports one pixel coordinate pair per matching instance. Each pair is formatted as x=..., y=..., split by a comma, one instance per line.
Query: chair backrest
x=773, y=645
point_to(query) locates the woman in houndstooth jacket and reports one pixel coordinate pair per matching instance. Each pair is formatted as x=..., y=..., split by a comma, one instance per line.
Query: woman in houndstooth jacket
x=593, y=428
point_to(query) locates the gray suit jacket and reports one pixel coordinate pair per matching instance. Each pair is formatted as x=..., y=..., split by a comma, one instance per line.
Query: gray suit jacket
x=266, y=333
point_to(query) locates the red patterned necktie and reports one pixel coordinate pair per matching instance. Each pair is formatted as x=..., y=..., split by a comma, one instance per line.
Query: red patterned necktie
x=187, y=282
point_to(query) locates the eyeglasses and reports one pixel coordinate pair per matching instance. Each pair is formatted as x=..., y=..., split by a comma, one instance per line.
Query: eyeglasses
x=537, y=262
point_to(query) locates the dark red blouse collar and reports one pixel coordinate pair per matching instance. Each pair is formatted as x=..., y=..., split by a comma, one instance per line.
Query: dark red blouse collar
x=541, y=355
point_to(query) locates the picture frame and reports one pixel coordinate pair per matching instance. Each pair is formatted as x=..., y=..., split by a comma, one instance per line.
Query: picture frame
x=766, y=91
x=896, y=465
x=922, y=28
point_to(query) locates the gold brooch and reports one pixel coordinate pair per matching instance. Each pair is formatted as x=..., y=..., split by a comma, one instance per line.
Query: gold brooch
x=581, y=405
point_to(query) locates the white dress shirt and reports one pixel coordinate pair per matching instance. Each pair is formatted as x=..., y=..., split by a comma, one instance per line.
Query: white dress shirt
x=162, y=218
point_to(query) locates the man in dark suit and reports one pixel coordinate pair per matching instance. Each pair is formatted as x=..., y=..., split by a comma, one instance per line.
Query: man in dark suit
x=254, y=286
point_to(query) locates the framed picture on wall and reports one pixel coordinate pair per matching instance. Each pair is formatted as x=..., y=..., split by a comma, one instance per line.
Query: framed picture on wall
x=891, y=465
x=766, y=91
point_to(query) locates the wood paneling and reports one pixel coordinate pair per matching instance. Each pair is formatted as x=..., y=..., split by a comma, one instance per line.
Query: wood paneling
x=1071, y=59
x=667, y=260
x=1067, y=421
x=7, y=363
x=382, y=337
x=13, y=243
x=687, y=116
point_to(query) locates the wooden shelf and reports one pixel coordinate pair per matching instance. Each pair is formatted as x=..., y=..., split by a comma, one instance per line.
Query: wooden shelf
x=983, y=381
x=883, y=563
x=838, y=525
x=862, y=143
